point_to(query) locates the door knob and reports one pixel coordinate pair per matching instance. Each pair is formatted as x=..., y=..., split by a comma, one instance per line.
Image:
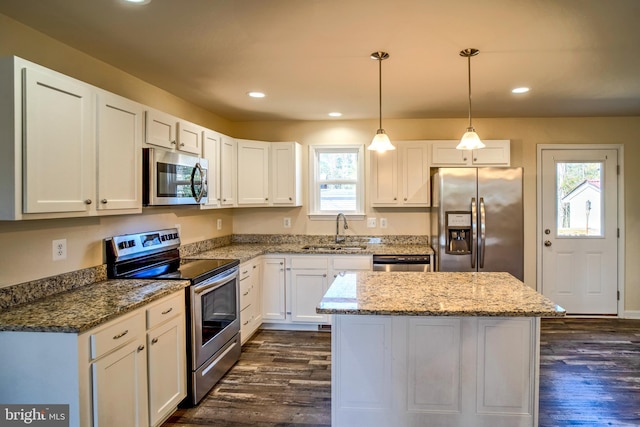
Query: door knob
x=547, y=243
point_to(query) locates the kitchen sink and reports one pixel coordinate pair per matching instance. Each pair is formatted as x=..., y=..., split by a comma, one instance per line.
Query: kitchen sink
x=334, y=247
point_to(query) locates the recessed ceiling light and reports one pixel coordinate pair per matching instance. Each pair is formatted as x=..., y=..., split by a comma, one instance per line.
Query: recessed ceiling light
x=137, y=1
x=335, y=114
x=256, y=94
x=520, y=90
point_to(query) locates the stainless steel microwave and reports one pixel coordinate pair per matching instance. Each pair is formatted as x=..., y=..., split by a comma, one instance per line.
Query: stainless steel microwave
x=173, y=178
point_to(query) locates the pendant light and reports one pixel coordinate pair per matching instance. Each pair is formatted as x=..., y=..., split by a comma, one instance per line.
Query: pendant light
x=470, y=140
x=380, y=141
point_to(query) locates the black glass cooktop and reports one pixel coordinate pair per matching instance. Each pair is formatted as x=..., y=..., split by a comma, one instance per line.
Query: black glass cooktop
x=200, y=269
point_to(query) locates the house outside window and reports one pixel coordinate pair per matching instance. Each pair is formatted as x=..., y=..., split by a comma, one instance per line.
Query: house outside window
x=336, y=180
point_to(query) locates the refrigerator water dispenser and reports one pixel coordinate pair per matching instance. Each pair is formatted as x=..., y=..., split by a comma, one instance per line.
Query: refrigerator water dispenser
x=458, y=226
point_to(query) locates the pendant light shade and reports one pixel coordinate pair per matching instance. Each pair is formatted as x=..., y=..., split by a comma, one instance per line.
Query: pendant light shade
x=381, y=142
x=470, y=140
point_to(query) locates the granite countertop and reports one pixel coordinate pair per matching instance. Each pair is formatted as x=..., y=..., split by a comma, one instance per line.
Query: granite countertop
x=435, y=294
x=81, y=309
x=246, y=251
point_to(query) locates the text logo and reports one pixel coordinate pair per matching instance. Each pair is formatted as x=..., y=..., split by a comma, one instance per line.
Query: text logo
x=34, y=415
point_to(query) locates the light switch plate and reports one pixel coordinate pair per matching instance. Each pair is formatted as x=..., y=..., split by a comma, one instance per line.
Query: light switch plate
x=286, y=223
x=371, y=223
x=219, y=224
x=383, y=222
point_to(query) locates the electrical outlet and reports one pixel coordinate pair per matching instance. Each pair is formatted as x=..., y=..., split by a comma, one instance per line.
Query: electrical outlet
x=219, y=224
x=59, y=249
x=371, y=223
x=286, y=223
x=383, y=222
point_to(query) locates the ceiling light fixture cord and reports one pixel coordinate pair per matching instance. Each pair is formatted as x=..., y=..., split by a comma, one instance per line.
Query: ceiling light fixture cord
x=469, y=74
x=381, y=142
x=470, y=139
x=380, y=88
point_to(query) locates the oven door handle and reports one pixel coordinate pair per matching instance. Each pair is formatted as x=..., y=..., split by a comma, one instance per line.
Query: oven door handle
x=198, y=195
x=220, y=280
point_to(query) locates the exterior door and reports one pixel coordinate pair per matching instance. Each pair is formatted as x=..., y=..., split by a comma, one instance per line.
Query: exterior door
x=579, y=199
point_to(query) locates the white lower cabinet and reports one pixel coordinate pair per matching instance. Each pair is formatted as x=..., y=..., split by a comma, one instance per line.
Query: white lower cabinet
x=166, y=356
x=126, y=372
x=273, y=288
x=250, y=298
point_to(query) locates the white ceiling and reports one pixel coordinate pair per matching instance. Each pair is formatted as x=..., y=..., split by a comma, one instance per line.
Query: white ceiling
x=580, y=57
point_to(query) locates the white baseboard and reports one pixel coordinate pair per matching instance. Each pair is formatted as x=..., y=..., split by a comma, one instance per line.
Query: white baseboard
x=631, y=314
x=290, y=326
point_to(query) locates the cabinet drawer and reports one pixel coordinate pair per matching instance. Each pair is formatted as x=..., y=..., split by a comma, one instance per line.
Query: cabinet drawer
x=352, y=263
x=310, y=262
x=245, y=293
x=245, y=271
x=116, y=334
x=165, y=310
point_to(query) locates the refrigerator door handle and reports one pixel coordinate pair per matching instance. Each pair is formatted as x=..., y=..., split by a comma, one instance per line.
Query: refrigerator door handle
x=474, y=232
x=482, y=232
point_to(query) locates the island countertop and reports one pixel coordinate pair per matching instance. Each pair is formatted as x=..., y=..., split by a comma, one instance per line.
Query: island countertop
x=435, y=294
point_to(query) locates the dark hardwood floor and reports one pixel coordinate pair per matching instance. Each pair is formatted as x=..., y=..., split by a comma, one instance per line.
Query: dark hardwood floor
x=589, y=376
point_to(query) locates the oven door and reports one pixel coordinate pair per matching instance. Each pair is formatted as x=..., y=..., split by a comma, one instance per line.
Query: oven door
x=174, y=178
x=215, y=315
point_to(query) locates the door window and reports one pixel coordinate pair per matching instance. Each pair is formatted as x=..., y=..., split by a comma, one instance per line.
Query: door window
x=579, y=199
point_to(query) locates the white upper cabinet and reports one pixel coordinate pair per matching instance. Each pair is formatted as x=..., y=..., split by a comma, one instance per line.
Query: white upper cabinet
x=286, y=174
x=253, y=172
x=211, y=152
x=119, y=145
x=228, y=171
x=496, y=153
x=59, y=149
x=400, y=178
x=66, y=146
x=165, y=130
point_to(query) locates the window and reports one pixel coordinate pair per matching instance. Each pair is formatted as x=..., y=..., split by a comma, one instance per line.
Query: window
x=336, y=179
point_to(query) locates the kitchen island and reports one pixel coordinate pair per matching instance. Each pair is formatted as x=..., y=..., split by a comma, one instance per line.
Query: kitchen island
x=436, y=349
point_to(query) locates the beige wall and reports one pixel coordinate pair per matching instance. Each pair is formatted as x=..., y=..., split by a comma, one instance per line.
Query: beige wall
x=25, y=247
x=525, y=135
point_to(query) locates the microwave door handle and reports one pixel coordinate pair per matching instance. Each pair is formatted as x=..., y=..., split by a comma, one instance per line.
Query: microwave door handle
x=199, y=195
x=474, y=232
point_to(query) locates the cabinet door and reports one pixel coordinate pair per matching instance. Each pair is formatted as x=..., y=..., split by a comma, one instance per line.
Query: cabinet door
x=160, y=129
x=167, y=368
x=496, y=153
x=384, y=178
x=307, y=289
x=59, y=145
x=228, y=158
x=415, y=174
x=253, y=172
x=189, y=137
x=444, y=153
x=119, y=146
x=273, y=289
x=119, y=382
x=211, y=152
x=286, y=179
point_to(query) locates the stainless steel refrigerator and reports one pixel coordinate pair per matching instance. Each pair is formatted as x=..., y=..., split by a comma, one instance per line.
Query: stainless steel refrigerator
x=477, y=216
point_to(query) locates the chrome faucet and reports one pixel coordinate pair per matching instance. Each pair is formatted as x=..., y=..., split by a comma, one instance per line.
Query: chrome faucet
x=343, y=238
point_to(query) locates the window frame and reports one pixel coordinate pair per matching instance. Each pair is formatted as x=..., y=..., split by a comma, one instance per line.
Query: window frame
x=314, y=182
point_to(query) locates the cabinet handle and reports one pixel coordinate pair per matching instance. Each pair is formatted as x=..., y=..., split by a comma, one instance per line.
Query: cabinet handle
x=254, y=266
x=140, y=347
x=224, y=200
x=283, y=262
x=155, y=340
x=395, y=198
x=245, y=323
x=475, y=159
x=173, y=143
x=103, y=201
x=87, y=202
x=405, y=199
x=245, y=272
x=167, y=311
x=182, y=144
x=290, y=199
x=120, y=335
x=464, y=158
x=266, y=198
x=324, y=275
x=245, y=294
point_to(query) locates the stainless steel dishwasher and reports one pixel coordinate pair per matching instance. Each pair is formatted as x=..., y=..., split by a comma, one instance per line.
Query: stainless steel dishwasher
x=403, y=263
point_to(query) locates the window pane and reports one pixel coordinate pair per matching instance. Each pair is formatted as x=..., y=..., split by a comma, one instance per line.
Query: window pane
x=338, y=197
x=579, y=199
x=334, y=166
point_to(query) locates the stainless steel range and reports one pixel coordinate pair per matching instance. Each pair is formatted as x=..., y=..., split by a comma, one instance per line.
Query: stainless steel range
x=212, y=300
